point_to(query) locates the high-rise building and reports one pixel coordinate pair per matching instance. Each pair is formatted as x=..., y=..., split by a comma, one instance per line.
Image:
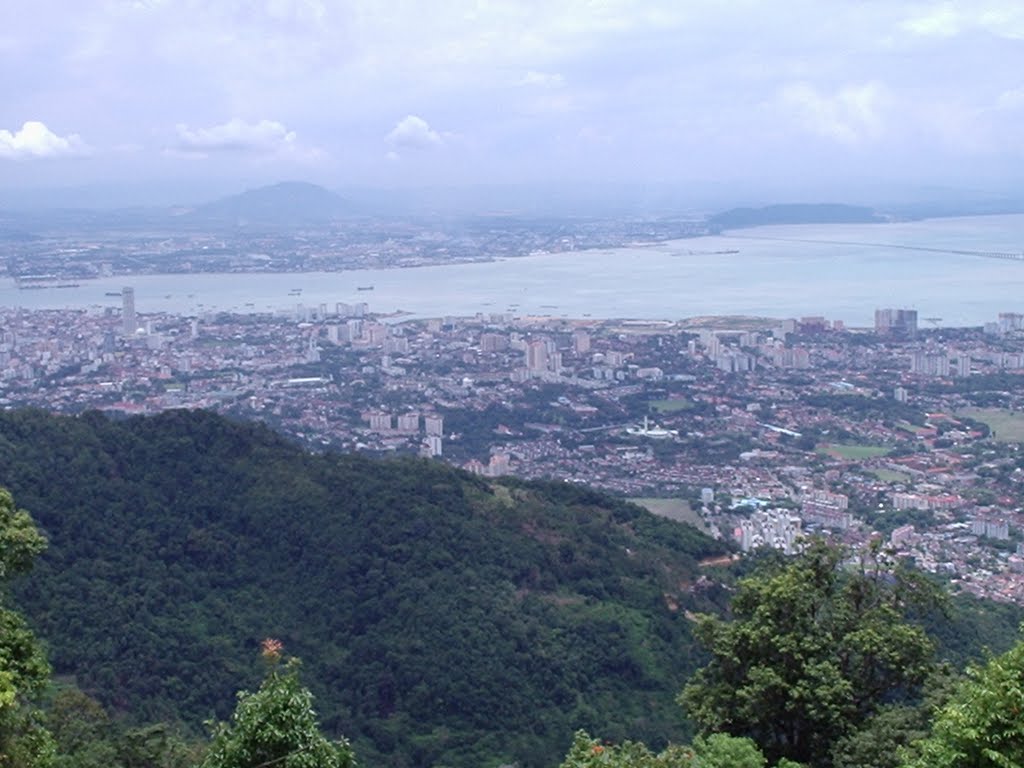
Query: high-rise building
x=498, y=465
x=1010, y=321
x=537, y=355
x=128, y=311
x=493, y=342
x=580, y=341
x=433, y=445
x=930, y=363
x=379, y=422
x=409, y=422
x=901, y=323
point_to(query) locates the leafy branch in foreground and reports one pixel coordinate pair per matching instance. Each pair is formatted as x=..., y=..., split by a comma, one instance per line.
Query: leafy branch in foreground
x=24, y=671
x=982, y=726
x=812, y=651
x=718, y=750
x=276, y=726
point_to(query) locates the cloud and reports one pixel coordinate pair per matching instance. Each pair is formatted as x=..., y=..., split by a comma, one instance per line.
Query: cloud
x=542, y=79
x=851, y=116
x=942, y=22
x=264, y=137
x=1012, y=99
x=413, y=132
x=36, y=140
x=1001, y=18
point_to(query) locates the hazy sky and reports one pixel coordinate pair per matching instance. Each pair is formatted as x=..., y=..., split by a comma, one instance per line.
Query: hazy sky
x=412, y=92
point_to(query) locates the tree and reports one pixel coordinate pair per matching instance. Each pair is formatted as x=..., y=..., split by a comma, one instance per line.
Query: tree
x=982, y=726
x=24, y=671
x=276, y=726
x=82, y=730
x=810, y=654
x=716, y=751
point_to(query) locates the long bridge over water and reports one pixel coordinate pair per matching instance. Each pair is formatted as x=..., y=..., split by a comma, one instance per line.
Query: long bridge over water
x=1006, y=255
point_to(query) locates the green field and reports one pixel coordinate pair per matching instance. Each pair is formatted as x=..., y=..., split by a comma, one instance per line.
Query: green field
x=890, y=476
x=673, y=509
x=853, y=452
x=671, y=406
x=1007, y=426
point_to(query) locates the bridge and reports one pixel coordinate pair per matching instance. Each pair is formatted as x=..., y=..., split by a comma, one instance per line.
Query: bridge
x=1006, y=255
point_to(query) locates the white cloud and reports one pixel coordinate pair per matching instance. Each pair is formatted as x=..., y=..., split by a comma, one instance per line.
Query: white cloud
x=264, y=137
x=943, y=21
x=1012, y=99
x=36, y=140
x=413, y=132
x=542, y=79
x=852, y=115
x=1001, y=18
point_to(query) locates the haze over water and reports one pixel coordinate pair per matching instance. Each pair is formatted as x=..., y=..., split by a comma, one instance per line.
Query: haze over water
x=843, y=272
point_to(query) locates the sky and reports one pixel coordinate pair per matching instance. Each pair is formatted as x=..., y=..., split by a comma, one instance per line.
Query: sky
x=393, y=93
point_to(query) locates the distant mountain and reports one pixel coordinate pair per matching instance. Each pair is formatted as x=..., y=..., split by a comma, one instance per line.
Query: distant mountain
x=443, y=619
x=794, y=213
x=287, y=203
x=12, y=229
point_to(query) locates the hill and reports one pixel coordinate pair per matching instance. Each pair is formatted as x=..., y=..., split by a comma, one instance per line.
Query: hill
x=288, y=203
x=440, y=616
x=795, y=213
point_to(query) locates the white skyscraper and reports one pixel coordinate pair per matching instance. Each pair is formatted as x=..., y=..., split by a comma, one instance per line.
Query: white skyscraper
x=128, y=311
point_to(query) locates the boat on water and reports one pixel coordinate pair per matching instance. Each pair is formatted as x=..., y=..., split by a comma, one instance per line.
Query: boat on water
x=364, y=287
x=44, y=286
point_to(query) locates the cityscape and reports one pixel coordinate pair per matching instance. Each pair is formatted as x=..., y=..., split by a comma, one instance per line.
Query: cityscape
x=756, y=430
x=619, y=384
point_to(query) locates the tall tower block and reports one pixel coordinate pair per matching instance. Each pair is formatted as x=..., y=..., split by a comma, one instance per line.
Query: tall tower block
x=128, y=311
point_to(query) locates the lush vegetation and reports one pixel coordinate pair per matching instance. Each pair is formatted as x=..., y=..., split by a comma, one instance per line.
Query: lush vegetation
x=446, y=621
x=440, y=616
x=982, y=724
x=24, y=672
x=276, y=725
x=792, y=213
x=827, y=666
x=810, y=655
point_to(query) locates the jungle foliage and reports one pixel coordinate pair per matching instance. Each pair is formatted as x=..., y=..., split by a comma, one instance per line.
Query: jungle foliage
x=439, y=614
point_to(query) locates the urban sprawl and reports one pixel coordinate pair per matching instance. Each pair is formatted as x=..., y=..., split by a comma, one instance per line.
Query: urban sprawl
x=757, y=430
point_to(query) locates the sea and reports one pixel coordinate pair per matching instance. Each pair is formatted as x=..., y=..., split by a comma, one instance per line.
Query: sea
x=946, y=269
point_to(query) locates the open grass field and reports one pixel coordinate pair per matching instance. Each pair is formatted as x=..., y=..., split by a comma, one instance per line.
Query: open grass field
x=674, y=509
x=1007, y=426
x=890, y=476
x=853, y=452
x=671, y=406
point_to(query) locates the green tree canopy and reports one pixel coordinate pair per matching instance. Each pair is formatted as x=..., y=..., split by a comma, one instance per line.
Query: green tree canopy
x=810, y=653
x=982, y=726
x=24, y=670
x=716, y=751
x=276, y=726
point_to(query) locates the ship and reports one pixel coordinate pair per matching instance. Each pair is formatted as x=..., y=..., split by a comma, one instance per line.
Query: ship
x=364, y=287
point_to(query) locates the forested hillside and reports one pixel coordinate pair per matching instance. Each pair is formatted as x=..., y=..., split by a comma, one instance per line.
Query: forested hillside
x=440, y=616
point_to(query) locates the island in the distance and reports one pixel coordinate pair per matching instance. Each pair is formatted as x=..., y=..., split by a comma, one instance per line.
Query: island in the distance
x=793, y=213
